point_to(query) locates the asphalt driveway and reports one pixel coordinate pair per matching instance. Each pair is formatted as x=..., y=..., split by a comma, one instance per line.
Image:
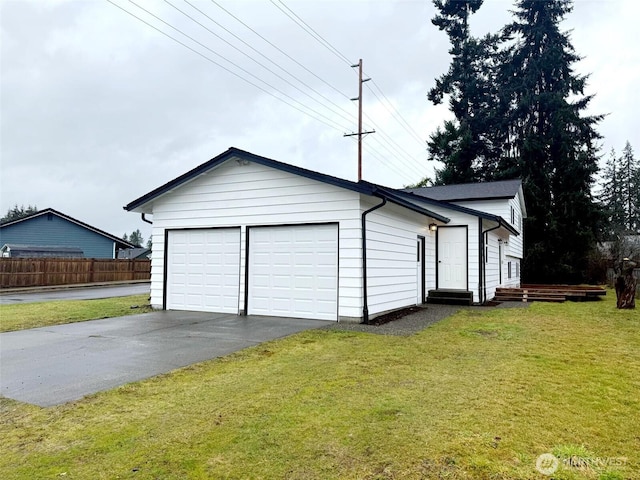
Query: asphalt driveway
x=54, y=365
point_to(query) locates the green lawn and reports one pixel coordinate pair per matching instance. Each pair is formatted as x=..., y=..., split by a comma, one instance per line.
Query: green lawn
x=43, y=314
x=479, y=395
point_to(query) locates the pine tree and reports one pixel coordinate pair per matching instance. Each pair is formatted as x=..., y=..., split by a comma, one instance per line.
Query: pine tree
x=136, y=238
x=630, y=188
x=18, y=212
x=611, y=197
x=459, y=145
x=553, y=145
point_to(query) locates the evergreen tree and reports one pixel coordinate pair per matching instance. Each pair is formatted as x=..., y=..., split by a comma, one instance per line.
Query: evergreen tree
x=18, y=212
x=468, y=85
x=630, y=189
x=611, y=197
x=136, y=238
x=553, y=145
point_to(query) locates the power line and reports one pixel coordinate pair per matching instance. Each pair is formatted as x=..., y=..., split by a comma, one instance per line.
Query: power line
x=347, y=118
x=234, y=64
x=386, y=165
x=325, y=43
x=279, y=49
x=305, y=26
x=333, y=126
x=394, y=111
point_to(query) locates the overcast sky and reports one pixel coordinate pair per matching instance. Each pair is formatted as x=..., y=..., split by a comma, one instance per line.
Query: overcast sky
x=98, y=108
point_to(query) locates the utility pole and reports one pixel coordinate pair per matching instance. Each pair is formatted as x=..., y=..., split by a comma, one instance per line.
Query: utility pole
x=360, y=133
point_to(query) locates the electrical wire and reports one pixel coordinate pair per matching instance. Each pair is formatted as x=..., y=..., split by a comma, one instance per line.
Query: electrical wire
x=234, y=64
x=394, y=109
x=323, y=105
x=395, y=114
x=330, y=125
x=280, y=50
x=305, y=26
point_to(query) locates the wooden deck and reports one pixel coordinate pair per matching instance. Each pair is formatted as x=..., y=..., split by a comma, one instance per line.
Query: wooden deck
x=548, y=293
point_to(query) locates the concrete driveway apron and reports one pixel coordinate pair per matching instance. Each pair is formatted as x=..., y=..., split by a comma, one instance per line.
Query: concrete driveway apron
x=54, y=365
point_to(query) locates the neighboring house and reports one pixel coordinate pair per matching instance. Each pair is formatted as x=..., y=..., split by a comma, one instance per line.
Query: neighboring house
x=245, y=234
x=50, y=228
x=136, y=253
x=11, y=250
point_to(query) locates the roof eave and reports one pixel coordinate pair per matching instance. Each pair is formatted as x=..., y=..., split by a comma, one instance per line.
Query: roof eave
x=232, y=152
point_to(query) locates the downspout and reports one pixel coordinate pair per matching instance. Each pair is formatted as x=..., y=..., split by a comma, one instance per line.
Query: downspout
x=365, y=308
x=483, y=270
x=144, y=219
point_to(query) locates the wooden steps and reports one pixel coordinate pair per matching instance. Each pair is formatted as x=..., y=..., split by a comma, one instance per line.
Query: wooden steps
x=450, y=297
x=548, y=293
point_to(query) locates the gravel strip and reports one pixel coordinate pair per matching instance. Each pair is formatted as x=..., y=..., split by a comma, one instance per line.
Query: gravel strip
x=417, y=321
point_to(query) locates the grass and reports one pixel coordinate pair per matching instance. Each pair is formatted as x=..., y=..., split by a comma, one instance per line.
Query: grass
x=44, y=314
x=479, y=395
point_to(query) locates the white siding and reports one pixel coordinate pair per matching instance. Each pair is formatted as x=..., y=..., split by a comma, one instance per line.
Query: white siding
x=392, y=236
x=457, y=219
x=492, y=265
x=502, y=207
x=246, y=194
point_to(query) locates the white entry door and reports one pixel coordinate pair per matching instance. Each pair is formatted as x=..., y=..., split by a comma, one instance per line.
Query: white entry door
x=203, y=270
x=293, y=271
x=452, y=258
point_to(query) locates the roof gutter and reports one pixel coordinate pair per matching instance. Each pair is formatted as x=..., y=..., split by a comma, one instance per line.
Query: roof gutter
x=365, y=307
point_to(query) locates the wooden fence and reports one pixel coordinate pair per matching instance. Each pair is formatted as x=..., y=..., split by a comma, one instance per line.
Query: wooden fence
x=35, y=272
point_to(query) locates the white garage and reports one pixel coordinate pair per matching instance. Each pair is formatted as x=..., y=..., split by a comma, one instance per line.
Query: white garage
x=203, y=270
x=293, y=271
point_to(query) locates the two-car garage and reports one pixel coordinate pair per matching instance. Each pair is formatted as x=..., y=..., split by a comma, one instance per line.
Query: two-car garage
x=292, y=270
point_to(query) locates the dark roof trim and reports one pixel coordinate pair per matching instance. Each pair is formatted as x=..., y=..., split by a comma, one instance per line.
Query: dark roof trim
x=72, y=220
x=476, y=213
x=360, y=187
x=393, y=197
x=243, y=155
x=495, y=190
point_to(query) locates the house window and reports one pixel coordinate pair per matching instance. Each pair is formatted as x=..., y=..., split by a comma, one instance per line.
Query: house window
x=513, y=215
x=486, y=247
x=517, y=269
x=509, y=270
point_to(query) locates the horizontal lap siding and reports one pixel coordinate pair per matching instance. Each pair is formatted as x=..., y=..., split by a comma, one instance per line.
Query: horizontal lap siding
x=392, y=234
x=492, y=266
x=250, y=195
x=457, y=219
x=52, y=230
x=502, y=208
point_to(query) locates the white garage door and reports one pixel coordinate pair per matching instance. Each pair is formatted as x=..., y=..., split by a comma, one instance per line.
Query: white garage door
x=293, y=271
x=203, y=270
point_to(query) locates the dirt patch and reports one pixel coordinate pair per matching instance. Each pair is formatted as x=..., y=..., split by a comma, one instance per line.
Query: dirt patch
x=391, y=316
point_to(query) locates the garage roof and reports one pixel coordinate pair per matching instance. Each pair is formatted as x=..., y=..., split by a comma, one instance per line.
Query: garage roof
x=363, y=187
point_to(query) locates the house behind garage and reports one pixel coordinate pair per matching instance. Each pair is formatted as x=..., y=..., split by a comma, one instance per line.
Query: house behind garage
x=53, y=230
x=245, y=234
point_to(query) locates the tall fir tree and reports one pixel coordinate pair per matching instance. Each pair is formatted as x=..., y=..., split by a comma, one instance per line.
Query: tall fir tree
x=630, y=189
x=611, y=197
x=554, y=146
x=458, y=145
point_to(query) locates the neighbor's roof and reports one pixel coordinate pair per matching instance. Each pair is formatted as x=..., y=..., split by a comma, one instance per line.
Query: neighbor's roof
x=470, y=191
x=70, y=219
x=45, y=249
x=235, y=153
